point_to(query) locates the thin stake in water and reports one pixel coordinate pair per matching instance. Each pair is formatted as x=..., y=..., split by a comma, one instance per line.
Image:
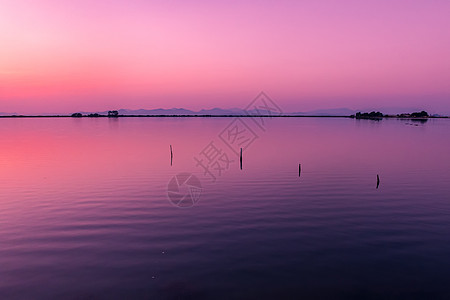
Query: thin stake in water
x=299, y=169
x=171, y=155
x=241, y=159
x=378, y=181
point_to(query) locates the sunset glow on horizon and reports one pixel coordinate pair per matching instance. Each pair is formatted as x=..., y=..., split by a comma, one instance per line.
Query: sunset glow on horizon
x=66, y=56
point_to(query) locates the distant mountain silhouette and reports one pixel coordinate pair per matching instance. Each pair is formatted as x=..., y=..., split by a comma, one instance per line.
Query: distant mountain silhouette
x=236, y=111
x=220, y=112
x=7, y=114
x=326, y=112
x=178, y=111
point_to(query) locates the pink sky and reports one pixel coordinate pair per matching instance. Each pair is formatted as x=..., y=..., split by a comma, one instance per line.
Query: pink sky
x=64, y=56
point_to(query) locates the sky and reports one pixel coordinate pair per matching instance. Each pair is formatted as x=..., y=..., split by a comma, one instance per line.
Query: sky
x=62, y=56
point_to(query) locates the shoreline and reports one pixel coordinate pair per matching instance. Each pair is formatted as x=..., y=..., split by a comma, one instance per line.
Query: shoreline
x=172, y=116
x=218, y=116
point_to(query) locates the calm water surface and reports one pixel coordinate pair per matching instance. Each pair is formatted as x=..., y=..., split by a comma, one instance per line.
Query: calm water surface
x=85, y=213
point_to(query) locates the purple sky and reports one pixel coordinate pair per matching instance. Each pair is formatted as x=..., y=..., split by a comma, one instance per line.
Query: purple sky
x=64, y=56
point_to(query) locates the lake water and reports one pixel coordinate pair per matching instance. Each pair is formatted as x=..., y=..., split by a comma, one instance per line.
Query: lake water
x=90, y=208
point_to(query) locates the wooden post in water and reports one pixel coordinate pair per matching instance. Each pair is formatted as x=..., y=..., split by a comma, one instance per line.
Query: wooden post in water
x=241, y=159
x=299, y=169
x=171, y=155
x=378, y=181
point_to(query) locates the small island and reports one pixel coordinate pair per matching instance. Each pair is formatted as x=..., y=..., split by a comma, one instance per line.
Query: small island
x=421, y=116
x=372, y=115
x=111, y=114
x=376, y=115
